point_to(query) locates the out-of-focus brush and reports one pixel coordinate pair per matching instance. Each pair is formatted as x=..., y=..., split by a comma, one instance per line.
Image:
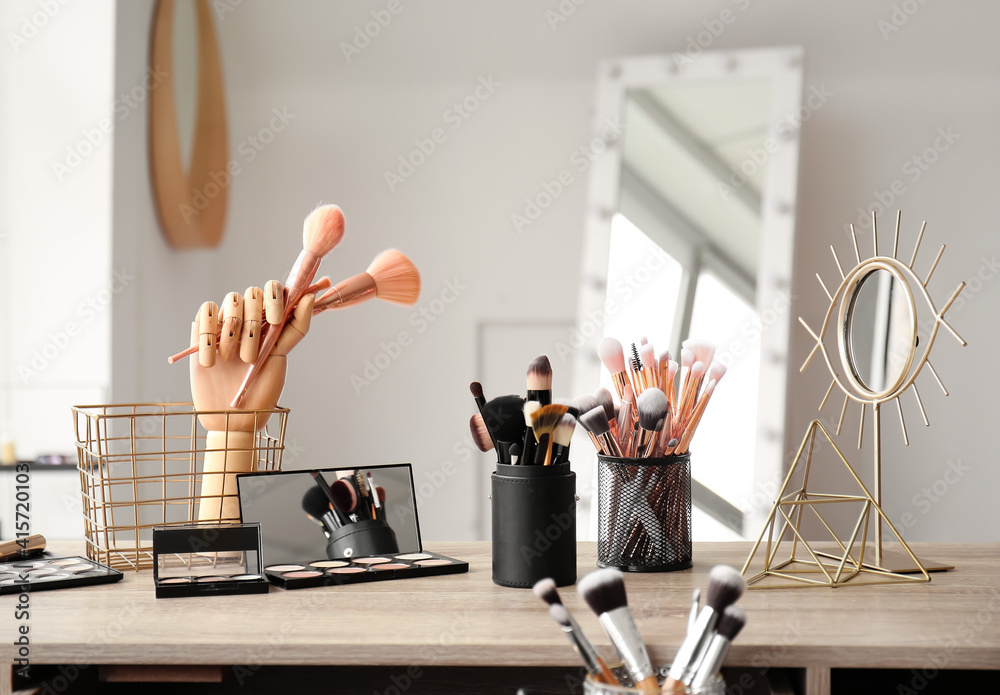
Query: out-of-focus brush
x=604, y=592
x=732, y=621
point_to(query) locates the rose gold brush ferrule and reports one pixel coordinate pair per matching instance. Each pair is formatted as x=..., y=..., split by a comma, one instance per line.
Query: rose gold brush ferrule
x=347, y=292
x=620, y=380
x=609, y=445
x=664, y=372
x=649, y=377
x=303, y=271
x=643, y=441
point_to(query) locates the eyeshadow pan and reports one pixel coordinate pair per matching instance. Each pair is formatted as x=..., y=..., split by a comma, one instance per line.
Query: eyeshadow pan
x=64, y=561
x=370, y=560
x=304, y=574
x=346, y=570
x=391, y=566
x=42, y=571
x=211, y=579
x=176, y=580
x=244, y=577
x=329, y=563
x=79, y=567
x=414, y=556
x=433, y=563
x=27, y=565
x=284, y=568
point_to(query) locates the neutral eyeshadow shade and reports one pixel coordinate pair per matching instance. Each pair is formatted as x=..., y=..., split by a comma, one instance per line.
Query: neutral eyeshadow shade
x=433, y=563
x=303, y=574
x=284, y=568
x=64, y=561
x=391, y=566
x=346, y=570
x=329, y=563
x=176, y=580
x=81, y=567
x=245, y=577
x=216, y=578
x=414, y=556
x=42, y=571
x=370, y=560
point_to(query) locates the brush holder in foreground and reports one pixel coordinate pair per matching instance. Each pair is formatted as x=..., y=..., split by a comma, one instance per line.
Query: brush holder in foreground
x=534, y=524
x=144, y=464
x=590, y=687
x=644, y=513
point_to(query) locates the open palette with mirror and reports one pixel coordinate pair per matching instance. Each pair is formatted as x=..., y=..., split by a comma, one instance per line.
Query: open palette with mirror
x=339, y=526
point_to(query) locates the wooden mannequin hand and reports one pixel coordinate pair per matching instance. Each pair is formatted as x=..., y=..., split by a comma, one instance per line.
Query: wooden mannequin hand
x=218, y=370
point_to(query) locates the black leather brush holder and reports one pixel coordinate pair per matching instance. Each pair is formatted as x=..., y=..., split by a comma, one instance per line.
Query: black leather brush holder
x=534, y=524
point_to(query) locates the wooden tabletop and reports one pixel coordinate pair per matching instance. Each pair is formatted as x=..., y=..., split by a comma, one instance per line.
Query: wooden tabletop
x=465, y=619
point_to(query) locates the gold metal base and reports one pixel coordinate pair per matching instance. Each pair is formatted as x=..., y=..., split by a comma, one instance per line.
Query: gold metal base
x=828, y=569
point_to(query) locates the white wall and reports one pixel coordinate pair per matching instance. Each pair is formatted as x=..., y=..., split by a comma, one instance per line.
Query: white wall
x=352, y=121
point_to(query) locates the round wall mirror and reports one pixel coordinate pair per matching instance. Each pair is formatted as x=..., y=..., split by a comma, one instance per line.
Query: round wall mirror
x=878, y=326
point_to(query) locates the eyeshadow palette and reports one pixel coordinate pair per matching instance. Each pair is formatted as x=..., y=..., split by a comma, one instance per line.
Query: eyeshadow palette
x=363, y=569
x=44, y=573
x=207, y=560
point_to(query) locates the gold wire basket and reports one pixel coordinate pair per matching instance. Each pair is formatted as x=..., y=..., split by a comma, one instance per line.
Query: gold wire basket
x=143, y=465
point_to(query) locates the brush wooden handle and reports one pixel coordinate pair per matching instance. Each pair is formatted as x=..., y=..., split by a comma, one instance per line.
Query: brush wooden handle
x=649, y=685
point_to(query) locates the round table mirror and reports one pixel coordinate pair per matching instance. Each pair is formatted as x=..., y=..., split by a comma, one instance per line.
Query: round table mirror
x=879, y=334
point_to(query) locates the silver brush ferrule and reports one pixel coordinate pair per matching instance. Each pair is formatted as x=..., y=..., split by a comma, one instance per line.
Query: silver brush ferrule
x=625, y=636
x=711, y=662
x=694, y=644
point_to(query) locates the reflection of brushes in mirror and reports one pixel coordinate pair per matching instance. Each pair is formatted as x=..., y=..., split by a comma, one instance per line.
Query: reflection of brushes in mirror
x=322, y=284
x=391, y=277
x=317, y=508
x=544, y=421
x=322, y=230
x=613, y=357
x=376, y=502
x=345, y=498
x=561, y=438
x=380, y=493
x=362, y=487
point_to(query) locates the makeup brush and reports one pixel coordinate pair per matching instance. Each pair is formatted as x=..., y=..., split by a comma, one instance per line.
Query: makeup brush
x=652, y=405
x=544, y=421
x=504, y=417
x=725, y=586
x=627, y=417
x=732, y=621
x=604, y=592
x=635, y=371
x=649, y=366
x=539, y=382
x=545, y=589
x=607, y=401
x=613, y=357
x=689, y=397
x=345, y=497
x=322, y=230
x=695, y=606
x=585, y=404
x=663, y=370
x=317, y=506
x=595, y=422
x=688, y=435
x=361, y=486
x=391, y=276
x=480, y=433
x=528, y=454
x=561, y=438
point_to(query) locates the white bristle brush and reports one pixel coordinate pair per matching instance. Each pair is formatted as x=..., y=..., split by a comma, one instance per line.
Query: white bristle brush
x=545, y=589
x=613, y=357
x=649, y=366
x=652, y=405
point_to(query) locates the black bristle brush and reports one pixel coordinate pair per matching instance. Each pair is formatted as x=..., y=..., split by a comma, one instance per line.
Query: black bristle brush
x=604, y=592
x=504, y=416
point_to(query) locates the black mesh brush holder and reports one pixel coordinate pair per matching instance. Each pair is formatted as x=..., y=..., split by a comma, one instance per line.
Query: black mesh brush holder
x=365, y=537
x=644, y=513
x=534, y=524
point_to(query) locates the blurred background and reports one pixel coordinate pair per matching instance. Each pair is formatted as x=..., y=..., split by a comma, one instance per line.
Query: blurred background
x=324, y=106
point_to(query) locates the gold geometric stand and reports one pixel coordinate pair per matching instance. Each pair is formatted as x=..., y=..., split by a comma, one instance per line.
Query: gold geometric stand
x=827, y=569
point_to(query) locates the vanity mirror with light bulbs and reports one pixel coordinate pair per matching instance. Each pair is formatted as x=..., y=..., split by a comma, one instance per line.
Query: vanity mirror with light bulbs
x=689, y=232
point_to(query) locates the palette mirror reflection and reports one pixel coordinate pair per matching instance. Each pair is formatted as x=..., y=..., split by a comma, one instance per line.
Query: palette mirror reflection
x=339, y=526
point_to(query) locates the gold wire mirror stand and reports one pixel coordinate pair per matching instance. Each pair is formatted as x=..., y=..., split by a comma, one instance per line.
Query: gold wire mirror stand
x=789, y=507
